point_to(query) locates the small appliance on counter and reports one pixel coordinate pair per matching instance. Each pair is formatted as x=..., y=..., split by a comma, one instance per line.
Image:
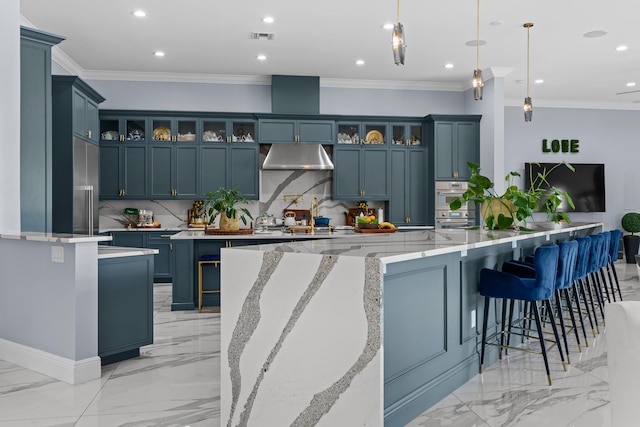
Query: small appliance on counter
x=145, y=219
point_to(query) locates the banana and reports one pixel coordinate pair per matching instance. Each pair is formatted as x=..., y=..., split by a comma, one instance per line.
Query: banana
x=388, y=225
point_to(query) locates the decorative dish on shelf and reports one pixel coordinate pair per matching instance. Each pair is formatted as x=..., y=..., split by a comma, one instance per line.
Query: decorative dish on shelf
x=162, y=133
x=374, y=137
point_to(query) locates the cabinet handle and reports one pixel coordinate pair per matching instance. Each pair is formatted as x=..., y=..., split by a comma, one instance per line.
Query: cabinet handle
x=171, y=246
x=121, y=138
x=174, y=138
x=455, y=174
x=165, y=236
x=88, y=134
x=409, y=220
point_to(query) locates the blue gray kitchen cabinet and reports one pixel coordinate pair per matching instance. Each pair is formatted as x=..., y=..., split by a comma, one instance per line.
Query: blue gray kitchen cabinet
x=360, y=172
x=35, y=129
x=75, y=108
x=163, y=260
x=228, y=130
x=129, y=239
x=276, y=131
x=125, y=306
x=230, y=166
x=408, y=186
x=123, y=171
x=168, y=129
x=75, y=156
x=456, y=141
x=173, y=169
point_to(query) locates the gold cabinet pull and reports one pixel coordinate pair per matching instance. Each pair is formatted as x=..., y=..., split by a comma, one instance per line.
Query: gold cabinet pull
x=174, y=138
x=88, y=134
x=455, y=174
x=171, y=246
x=121, y=138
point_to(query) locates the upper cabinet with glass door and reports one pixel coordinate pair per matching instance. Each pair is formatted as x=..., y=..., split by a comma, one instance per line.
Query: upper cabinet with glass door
x=406, y=134
x=362, y=133
x=174, y=130
x=228, y=131
x=114, y=129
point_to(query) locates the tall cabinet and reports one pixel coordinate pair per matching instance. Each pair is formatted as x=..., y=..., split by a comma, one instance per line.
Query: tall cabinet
x=35, y=129
x=456, y=141
x=75, y=155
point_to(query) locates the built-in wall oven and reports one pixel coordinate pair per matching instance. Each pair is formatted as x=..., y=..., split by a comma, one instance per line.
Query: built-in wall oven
x=446, y=191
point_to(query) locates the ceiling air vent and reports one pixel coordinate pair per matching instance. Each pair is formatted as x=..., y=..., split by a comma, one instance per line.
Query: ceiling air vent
x=262, y=36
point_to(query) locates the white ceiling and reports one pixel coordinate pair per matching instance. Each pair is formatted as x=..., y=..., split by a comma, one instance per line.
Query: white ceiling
x=209, y=41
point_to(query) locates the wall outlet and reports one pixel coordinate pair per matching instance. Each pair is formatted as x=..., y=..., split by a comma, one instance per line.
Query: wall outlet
x=473, y=319
x=57, y=253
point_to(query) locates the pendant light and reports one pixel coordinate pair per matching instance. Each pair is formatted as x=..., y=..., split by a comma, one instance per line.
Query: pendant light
x=528, y=106
x=397, y=41
x=478, y=83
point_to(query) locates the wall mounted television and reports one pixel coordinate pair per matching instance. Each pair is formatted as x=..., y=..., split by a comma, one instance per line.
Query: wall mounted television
x=585, y=185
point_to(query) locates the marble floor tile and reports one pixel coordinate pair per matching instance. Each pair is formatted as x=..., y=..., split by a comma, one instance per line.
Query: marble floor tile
x=176, y=382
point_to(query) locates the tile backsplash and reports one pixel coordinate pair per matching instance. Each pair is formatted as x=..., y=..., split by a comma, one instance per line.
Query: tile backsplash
x=274, y=185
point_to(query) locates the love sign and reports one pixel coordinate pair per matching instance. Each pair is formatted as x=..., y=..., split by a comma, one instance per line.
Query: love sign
x=561, y=146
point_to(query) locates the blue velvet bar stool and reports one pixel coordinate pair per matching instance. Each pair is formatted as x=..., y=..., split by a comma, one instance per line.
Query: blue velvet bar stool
x=604, y=261
x=498, y=284
x=593, y=281
x=205, y=260
x=565, y=272
x=579, y=285
x=614, y=249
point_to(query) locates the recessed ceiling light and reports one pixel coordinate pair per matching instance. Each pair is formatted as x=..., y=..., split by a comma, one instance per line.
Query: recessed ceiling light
x=631, y=84
x=539, y=81
x=261, y=57
x=359, y=62
x=158, y=53
x=139, y=13
x=594, y=34
x=621, y=48
x=474, y=43
x=448, y=65
x=388, y=26
x=268, y=19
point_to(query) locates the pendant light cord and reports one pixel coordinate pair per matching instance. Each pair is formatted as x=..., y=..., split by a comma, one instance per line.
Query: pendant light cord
x=478, y=38
x=399, y=10
x=528, y=59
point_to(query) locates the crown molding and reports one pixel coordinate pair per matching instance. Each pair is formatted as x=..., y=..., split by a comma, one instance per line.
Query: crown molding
x=176, y=77
x=65, y=61
x=390, y=84
x=500, y=71
x=547, y=103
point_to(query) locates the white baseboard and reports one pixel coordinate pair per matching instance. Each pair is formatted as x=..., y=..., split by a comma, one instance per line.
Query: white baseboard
x=60, y=368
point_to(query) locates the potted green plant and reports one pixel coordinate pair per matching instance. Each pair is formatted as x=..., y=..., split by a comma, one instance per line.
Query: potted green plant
x=224, y=202
x=631, y=224
x=515, y=205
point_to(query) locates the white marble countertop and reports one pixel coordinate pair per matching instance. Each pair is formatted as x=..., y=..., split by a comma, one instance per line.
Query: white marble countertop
x=396, y=247
x=108, y=230
x=275, y=235
x=54, y=237
x=120, y=251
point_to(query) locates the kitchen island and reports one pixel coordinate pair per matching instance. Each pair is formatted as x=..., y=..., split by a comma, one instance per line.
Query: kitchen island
x=189, y=246
x=370, y=330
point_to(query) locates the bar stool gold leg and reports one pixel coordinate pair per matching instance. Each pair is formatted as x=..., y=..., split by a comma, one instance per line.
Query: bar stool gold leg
x=201, y=291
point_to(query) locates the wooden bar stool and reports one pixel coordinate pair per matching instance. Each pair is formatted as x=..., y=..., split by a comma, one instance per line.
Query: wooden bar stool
x=207, y=259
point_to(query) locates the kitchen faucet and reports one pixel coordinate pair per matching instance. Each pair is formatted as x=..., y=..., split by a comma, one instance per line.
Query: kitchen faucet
x=314, y=204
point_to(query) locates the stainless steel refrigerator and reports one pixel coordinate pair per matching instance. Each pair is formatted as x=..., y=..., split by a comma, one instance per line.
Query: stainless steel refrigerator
x=75, y=189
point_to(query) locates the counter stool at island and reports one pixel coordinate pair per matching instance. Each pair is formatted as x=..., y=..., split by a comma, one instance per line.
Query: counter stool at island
x=207, y=260
x=498, y=284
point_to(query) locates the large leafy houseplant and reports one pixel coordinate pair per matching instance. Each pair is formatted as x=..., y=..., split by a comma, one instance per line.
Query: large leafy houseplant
x=224, y=202
x=515, y=205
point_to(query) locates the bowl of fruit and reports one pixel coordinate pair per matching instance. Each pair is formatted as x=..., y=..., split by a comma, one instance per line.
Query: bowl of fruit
x=368, y=221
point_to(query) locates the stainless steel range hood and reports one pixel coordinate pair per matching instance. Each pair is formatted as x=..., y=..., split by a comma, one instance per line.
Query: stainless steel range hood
x=297, y=156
